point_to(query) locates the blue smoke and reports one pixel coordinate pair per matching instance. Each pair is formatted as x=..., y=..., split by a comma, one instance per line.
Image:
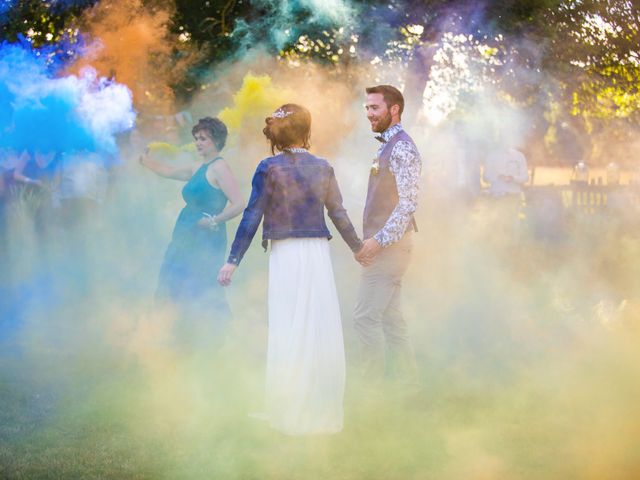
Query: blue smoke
x=61, y=5
x=43, y=112
x=6, y=5
x=6, y=113
x=59, y=54
x=58, y=126
x=55, y=56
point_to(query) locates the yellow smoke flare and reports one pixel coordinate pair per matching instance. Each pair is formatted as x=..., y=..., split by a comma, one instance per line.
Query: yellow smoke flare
x=169, y=152
x=256, y=99
x=168, y=149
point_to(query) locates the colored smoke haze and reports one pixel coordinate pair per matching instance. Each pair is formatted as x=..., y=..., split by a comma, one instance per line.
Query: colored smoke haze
x=256, y=98
x=64, y=114
x=5, y=6
x=132, y=43
x=281, y=28
x=340, y=12
x=521, y=344
x=244, y=99
x=65, y=4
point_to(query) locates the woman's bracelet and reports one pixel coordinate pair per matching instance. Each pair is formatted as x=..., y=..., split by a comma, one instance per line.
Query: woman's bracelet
x=212, y=222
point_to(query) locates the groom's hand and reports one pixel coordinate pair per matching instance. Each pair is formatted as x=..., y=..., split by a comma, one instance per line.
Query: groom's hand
x=370, y=248
x=359, y=258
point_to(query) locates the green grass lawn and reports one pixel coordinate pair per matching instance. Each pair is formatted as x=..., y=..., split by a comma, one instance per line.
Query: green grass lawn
x=529, y=361
x=168, y=417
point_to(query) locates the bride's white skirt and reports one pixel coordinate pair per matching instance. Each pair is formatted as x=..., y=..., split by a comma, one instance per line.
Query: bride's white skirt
x=305, y=360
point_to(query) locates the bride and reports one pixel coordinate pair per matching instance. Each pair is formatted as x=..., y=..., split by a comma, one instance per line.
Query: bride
x=305, y=360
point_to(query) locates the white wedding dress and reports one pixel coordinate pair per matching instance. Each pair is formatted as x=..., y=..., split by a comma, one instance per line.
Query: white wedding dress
x=305, y=361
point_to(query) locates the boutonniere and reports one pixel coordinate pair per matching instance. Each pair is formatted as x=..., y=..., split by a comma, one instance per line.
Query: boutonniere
x=375, y=167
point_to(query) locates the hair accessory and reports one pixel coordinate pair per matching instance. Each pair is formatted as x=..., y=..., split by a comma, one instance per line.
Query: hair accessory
x=280, y=113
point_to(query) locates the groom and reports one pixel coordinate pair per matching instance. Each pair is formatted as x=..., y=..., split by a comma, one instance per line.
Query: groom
x=392, y=198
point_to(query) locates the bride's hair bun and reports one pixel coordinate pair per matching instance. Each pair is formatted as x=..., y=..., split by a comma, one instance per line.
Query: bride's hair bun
x=288, y=125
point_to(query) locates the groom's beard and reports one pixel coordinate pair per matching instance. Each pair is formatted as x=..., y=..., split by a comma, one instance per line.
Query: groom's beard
x=383, y=123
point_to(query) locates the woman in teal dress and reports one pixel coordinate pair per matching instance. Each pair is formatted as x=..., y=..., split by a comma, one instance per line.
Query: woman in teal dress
x=199, y=242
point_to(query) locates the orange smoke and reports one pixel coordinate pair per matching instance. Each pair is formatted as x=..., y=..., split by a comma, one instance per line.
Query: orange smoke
x=134, y=44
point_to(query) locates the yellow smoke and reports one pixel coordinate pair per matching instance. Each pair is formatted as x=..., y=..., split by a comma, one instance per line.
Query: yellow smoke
x=328, y=99
x=164, y=148
x=171, y=152
x=256, y=99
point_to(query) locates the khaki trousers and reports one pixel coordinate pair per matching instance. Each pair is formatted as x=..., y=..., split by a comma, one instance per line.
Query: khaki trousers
x=378, y=318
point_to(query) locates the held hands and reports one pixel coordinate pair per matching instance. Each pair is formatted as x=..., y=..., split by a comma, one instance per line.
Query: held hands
x=225, y=273
x=370, y=248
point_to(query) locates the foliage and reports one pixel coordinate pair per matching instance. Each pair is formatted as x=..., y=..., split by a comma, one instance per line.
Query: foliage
x=596, y=43
x=582, y=55
x=41, y=22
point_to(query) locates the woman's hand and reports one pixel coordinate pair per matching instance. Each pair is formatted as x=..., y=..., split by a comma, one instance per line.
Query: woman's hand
x=225, y=273
x=208, y=221
x=36, y=182
x=143, y=158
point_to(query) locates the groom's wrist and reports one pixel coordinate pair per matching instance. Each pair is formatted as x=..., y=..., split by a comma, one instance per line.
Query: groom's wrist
x=379, y=237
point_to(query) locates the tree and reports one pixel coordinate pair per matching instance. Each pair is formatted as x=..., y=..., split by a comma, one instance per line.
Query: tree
x=594, y=55
x=576, y=61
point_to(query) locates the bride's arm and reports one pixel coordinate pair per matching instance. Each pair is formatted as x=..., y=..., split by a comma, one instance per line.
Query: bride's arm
x=338, y=214
x=249, y=224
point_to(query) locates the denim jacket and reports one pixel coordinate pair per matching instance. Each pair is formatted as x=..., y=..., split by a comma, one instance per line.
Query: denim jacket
x=291, y=190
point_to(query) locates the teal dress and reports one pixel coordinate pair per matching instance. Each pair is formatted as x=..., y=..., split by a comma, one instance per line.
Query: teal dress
x=195, y=254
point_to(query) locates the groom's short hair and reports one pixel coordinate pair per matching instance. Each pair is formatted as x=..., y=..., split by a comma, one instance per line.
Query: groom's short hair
x=391, y=95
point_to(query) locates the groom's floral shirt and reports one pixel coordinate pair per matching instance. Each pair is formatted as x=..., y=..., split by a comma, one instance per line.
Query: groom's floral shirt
x=405, y=165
